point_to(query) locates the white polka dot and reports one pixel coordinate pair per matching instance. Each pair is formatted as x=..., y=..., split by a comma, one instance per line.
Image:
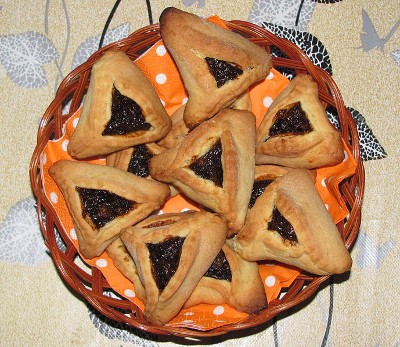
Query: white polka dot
x=267, y=101
x=161, y=50
x=129, y=293
x=72, y=233
x=190, y=313
x=218, y=310
x=270, y=281
x=101, y=262
x=270, y=76
x=323, y=182
x=163, y=102
x=346, y=156
x=54, y=197
x=161, y=78
x=160, y=212
x=184, y=101
x=327, y=206
x=75, y=122
x=64, y=145
x=185, y=209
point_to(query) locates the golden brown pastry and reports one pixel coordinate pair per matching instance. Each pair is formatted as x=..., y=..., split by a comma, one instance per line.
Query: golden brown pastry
x=296, y=132
x=216, y=65
x=121, y=109
x=172, y=252
x=214, y=165
x=290, y=223
x=102, y=200
x=231, y=280
x=123, y=261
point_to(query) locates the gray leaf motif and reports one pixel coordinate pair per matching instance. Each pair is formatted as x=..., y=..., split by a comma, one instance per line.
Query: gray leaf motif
x=291, y=14
x=371, y=255
x=91, y=45
x=23, y=56
x=200, y=3
x=21, y=241
x=118, y=331
x=396, y=56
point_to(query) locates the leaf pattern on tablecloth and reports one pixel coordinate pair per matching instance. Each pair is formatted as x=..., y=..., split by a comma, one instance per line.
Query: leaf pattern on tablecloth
x=200, y=3
x=21, y=240
x=307, y=42
x=294, y=14
x=114, y=330
x=24, y=56
x=370, y=254
x=370, y=148
x=396, y=56
x=91, y=45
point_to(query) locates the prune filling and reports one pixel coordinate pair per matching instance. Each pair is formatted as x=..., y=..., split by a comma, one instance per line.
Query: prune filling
x=100, y=206
x=258, y=189
x=126, y=116
x=164, y=258
x=220, y=268
x=290, y=121
x=223, y=71
x=209, y=166
x=282, y=226
x=139, y=163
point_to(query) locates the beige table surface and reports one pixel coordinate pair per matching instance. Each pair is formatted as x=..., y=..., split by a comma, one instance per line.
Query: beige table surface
x=41, y=41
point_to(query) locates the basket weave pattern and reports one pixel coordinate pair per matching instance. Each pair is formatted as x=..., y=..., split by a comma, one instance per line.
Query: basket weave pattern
x=90, y=283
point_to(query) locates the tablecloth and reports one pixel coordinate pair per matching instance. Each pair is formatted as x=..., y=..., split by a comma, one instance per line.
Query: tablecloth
x=357, y=42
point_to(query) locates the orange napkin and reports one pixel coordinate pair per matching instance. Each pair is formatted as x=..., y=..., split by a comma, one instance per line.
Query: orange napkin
x=160, y=69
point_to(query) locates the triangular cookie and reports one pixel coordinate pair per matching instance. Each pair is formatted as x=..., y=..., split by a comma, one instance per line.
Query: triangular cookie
x=121, y=109
x=216, y=65
x=231, y=280
x=296, y=132
x=102, y=200
x=290, y=223
x=172, y=252
x=214, y=164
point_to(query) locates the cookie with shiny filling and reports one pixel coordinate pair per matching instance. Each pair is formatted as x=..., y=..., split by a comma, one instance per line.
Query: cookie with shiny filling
x=120, y=109
x=214, y=165
x=216, y=64
x=296, y=132
x=102, y=200
x=172, y=252
x=123, y=261
x=290, y=223
x=231, y=280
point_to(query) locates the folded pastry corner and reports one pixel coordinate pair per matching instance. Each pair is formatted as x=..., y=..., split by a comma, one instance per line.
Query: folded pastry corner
x=102, y=200
x=216, y=64
x=231, y=280
x=214, y=165
x=290, y=223
x=172, y=252
x=296, y=132
x=121, y=109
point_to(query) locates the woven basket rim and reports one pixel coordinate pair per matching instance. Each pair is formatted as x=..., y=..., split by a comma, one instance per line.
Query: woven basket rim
x=73, y=87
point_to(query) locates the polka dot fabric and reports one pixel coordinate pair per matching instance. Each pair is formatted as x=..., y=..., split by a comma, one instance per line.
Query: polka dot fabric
x=159, y=68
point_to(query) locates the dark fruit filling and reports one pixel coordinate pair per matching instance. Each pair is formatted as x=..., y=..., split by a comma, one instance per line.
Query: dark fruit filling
x=290, y=121
x=139, y=163
x=220, y=268
x=164, y=257
x=102, y=206
x=258, y=189
x=282, y=226
x=126, y=116
x=209, y=166
x=223, y=71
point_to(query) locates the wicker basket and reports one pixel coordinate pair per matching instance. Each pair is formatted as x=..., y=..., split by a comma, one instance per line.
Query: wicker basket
x=92, y=285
